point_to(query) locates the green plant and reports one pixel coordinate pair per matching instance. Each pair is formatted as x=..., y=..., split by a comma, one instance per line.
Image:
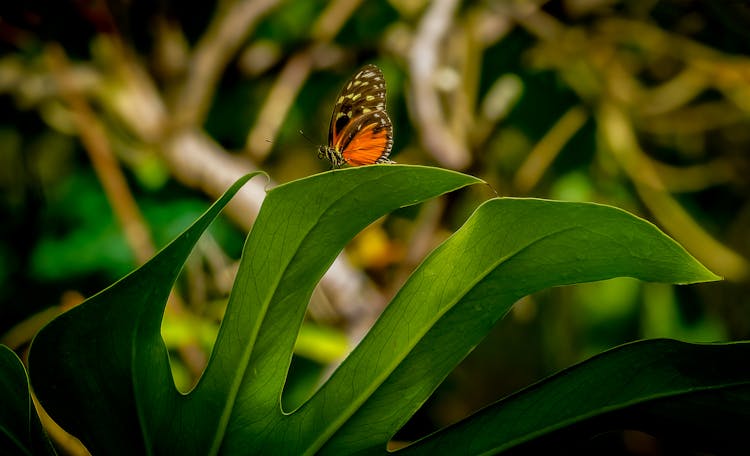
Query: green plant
x=102, y=371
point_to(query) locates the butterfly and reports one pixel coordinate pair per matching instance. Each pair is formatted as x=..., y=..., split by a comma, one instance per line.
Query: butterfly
x=360, y=132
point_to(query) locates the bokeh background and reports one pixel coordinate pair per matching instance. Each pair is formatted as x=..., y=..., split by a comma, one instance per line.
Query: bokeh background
x=120, y=121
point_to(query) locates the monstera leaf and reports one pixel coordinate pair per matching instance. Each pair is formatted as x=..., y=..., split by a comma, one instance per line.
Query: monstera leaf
x=102, y=371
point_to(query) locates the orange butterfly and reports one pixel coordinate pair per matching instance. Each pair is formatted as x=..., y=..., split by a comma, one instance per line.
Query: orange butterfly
x=360, y=132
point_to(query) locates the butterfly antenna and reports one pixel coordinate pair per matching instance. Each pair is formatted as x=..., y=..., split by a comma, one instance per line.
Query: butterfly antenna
x=306, y=137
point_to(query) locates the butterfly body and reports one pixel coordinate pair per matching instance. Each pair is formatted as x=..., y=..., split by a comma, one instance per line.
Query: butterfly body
x=360, y=132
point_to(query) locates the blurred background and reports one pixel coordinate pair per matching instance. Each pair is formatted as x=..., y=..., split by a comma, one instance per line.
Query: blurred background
x=121, y=121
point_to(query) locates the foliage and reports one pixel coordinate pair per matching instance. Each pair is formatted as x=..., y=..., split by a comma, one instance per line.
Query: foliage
x=109, y=347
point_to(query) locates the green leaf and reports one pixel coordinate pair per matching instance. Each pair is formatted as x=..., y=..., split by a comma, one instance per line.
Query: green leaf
x=697, y=393
x=20, y=429
x=109, y=348
x=509, y=248
x=102, y=370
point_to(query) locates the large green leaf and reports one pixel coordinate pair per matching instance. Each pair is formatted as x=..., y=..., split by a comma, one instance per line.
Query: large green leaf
x=696, y=394
x=20, y=429
x=102, y=371
x=508, y=248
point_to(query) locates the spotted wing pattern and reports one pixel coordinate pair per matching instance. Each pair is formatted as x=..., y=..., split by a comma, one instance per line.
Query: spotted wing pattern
x=360, y=132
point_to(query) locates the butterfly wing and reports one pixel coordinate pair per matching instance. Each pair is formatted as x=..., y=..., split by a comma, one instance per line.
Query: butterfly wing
x=360, y=130
x=368, y=139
